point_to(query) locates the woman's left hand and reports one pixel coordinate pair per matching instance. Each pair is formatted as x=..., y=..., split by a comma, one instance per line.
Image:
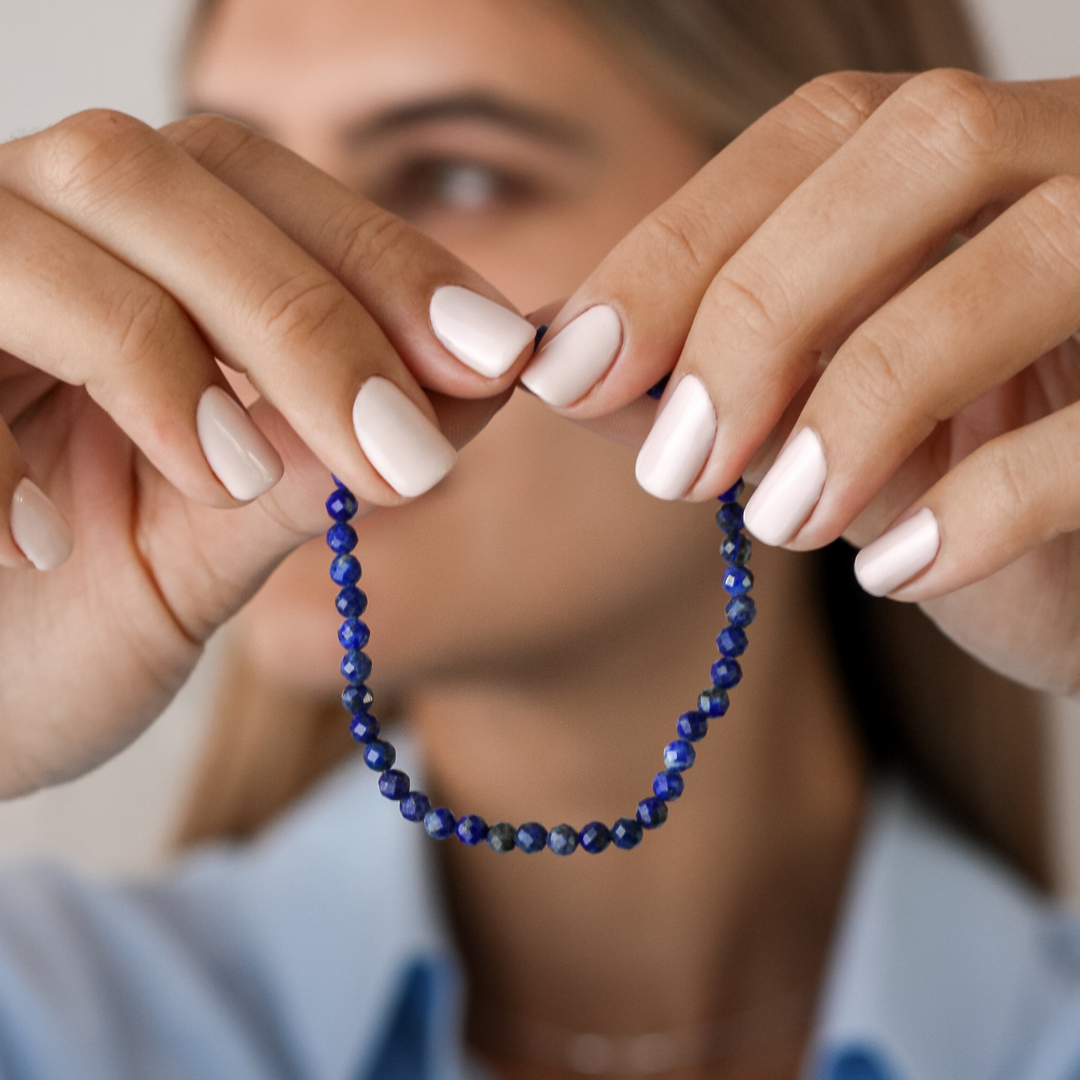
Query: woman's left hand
x=806, y=286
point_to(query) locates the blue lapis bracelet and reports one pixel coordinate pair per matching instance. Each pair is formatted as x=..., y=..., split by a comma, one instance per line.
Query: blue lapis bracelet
x=679, y=755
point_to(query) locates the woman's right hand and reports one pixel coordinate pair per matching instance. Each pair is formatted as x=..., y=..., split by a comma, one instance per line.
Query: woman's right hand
x=130, y=259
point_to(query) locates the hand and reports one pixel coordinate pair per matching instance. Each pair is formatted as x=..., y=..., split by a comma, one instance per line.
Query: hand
x=806, y=287
x=131, y=260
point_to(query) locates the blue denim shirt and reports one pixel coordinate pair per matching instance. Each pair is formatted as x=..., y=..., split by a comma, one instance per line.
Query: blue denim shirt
x=321, y=952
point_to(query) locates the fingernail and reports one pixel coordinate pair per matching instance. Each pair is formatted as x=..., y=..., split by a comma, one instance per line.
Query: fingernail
x=899, y=554
x=482, y=334
x=679, y=442
x=38, y=528
x=571, y=362
x=789, y=490
x=239, y=453
x=405, y=448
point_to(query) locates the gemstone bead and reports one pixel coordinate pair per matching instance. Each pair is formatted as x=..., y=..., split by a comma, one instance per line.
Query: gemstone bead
x=379, y=755
x=472, y=830
x=652, y=812
x=353, y=634
x=341, y=538
x=668, y=785
x=364, y=728
x=726, y=673
x=345, y=570
x=351, y=602
x=626, y=833
x=737, y=580
x=713, y=702
x=440, y=823
x=732, y=492
x=679, y=755
x=500, y=837
x=732, y=641
x=736, y=549
x=394, y=784
x=342, y=505
x=357, y=699
x=356, y=666
x=741, y=611
x=692, y=726
x=414, y=806
x=531, y=837
x=656, y=391
x=595, y=837
x=730, y=517
x=563, y=840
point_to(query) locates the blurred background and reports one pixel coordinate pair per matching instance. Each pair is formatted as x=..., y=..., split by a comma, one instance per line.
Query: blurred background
x=60, y=56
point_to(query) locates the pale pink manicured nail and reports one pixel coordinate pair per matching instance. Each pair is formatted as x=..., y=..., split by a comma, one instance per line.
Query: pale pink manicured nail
x=679, y=443
x=571, y=362
x=789, y=490
x=482, y=334
x=406, y=449
x=899, y=554
x=38, y=528
x=239, y=453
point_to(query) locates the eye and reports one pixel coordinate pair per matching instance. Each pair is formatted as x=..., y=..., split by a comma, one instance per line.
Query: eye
x=455, y=186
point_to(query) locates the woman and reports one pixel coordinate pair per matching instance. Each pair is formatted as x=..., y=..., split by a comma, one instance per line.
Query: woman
x=528, y=140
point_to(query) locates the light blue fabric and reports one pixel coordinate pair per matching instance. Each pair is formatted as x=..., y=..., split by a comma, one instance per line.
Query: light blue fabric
x=320, y=953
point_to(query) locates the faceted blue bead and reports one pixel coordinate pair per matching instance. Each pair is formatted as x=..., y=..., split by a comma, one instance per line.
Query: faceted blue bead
x=440, y=823
x=472, y=830
x=656, y=391
x=626, y=833
x=351, y=602
x=679, y=755
x=741, y=610
x=345, y=570
x=356, y=666
x=394, y=784
x=736, y=549
x=364, y=728
x=341, y=538
x=595, y=837
x=357, y=699
x=563, y=840
x=668, y=785
x=532, y=837
x=726, y=673
x=737, y=580
x=730, y=517
x=379, y=755
x=732, y=492
x=500, y=837
x=353, y=634
x=713, y=702
x=342, y=505
x=652, y=812
x=732, y=641
x=692, y=726
x=414, y=806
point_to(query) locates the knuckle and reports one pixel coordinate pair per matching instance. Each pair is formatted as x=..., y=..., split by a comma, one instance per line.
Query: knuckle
x=844, y=99
x=208, y=138
x=1054, y=215
x=753, y=308
x=144, y=322
x=365, y=242
x=295, y=310
x=676, y=230
x=875, y=370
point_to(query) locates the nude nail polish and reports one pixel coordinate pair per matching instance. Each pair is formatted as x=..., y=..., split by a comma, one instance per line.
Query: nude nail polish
x=482, y=334
x=241, y=456
x=405, y=448
x=679, y=443
x=570, y=363
x=898, y=555
x=789, y=491
x=38, y=528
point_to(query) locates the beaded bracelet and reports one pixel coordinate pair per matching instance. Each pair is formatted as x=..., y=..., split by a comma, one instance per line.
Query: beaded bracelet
x=532, y=837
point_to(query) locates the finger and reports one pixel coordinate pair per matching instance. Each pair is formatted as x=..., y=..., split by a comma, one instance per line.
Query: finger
x=985, y=313
x=32, y=531
x=75, y=312
x=458, y=335
x=626, y=326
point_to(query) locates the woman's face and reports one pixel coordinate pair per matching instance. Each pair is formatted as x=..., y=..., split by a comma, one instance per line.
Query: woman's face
x=508, y=133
